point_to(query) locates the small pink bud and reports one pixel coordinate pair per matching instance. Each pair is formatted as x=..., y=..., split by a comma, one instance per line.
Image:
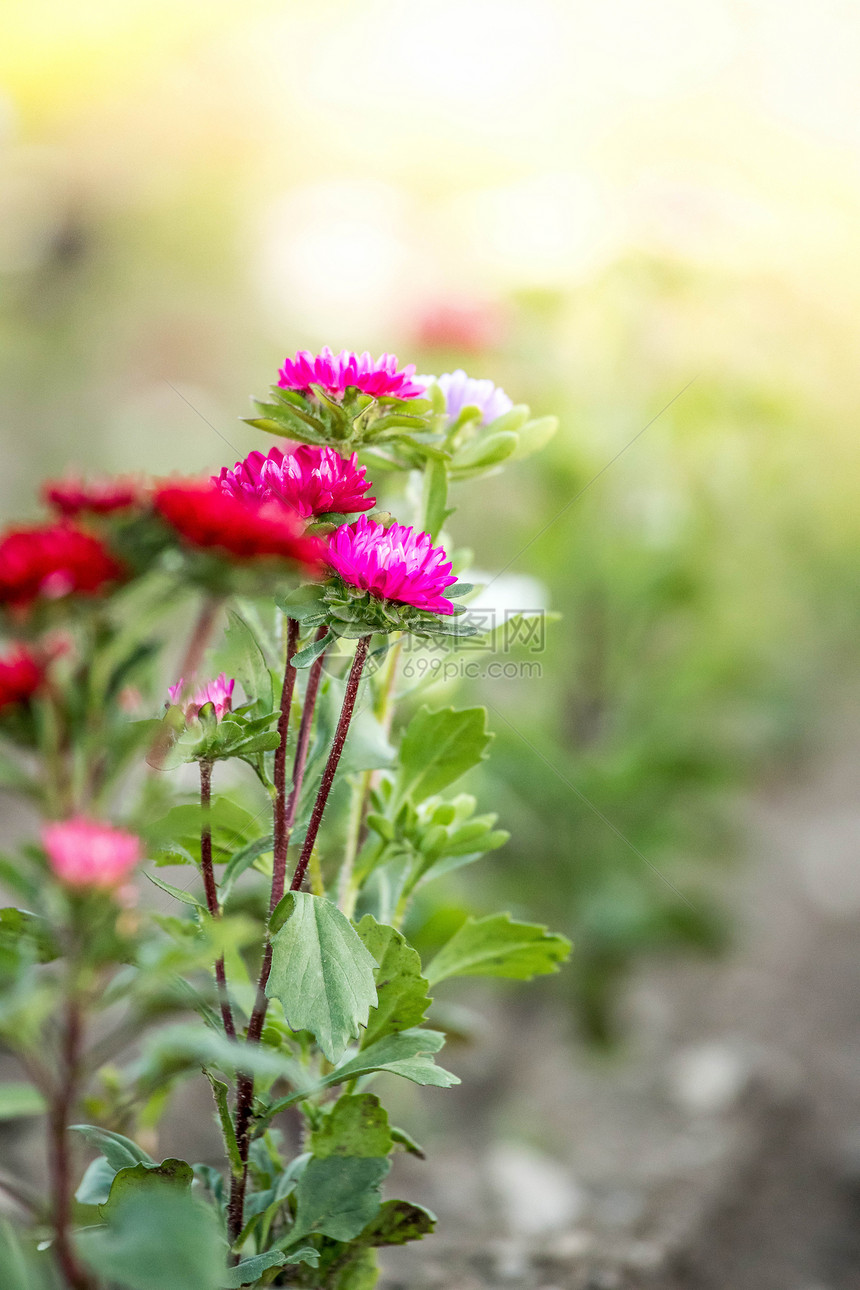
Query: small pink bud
x=218, y=692
x=87, y=853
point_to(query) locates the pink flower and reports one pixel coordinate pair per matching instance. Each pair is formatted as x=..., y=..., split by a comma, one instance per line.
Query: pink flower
x=311, y=481
x=218, y=692
x=392, y=564
x=86, y=853
x=336, y=373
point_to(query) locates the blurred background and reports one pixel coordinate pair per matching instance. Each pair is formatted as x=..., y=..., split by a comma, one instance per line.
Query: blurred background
x=644, y=216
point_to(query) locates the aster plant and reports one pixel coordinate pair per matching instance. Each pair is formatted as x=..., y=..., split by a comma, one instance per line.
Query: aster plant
x=299, y=794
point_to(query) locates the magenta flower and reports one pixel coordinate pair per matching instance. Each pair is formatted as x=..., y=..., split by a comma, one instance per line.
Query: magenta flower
x=86, y=853
x=311, y=481
x=392, y=564
x=462, y=391
x=218, y=692
x=336, y=373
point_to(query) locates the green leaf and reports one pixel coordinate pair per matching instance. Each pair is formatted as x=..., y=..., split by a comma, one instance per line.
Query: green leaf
x=405, y=1140
x=435, y=496
x=401, y=989
x=398, y=1222
x=407, y=1053
x=19, y=926
x=498, y=946
x=241, y=861
x=305, y=1254
x=438, y=748
x=178, y=893
x=94, y=1187
x=311, y=652
x=220, y=1092
x=485, y=451
x=157, y=1238
x=151, y=1179
x=245, y=659
x=20, y=1099
x=534, y=435
x=360, y=1272
x=354, y=1126
x=337, y=1197
x=175, y=1049
x=321, y=973
x=117, y=1150
x=250, y=1270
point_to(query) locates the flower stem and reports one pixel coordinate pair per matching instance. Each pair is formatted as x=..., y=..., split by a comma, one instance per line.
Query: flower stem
x=334, y=756
x=60, y=1163
x=384, y=711
x=279, y=832
x=285, y=817
x=211, y=889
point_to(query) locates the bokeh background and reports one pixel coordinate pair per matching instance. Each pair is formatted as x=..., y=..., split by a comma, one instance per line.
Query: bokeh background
x=642, y=216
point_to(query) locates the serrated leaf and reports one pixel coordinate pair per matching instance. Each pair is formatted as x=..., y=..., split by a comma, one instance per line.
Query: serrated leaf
x=438, y=748
x=321, y=973
x=398, y=1222
x=401, y=989
x=337, y=1197
x=407, y=1052
x=354, y=1126
x=499, y=946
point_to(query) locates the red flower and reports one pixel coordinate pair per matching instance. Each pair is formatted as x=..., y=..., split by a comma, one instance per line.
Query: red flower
x=206, y=517
x=53, y=560
x=73, y=495
x=21, y=674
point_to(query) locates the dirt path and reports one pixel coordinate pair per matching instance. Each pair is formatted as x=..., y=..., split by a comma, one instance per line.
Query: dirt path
x=723, y=1153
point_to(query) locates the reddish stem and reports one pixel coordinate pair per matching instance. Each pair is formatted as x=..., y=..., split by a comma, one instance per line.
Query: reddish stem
x=280, y=834
x=245, y=1082
x=60, y=1162
x=334, y=756
x=211, y=889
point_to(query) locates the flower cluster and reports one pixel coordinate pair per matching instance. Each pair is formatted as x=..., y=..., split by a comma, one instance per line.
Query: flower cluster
x=310, y=481
x=392, y=564
x=21, y=675
x=85, y=853
x=206, y=517
x=218, y=692
x=51, y=561
x=337, y=373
